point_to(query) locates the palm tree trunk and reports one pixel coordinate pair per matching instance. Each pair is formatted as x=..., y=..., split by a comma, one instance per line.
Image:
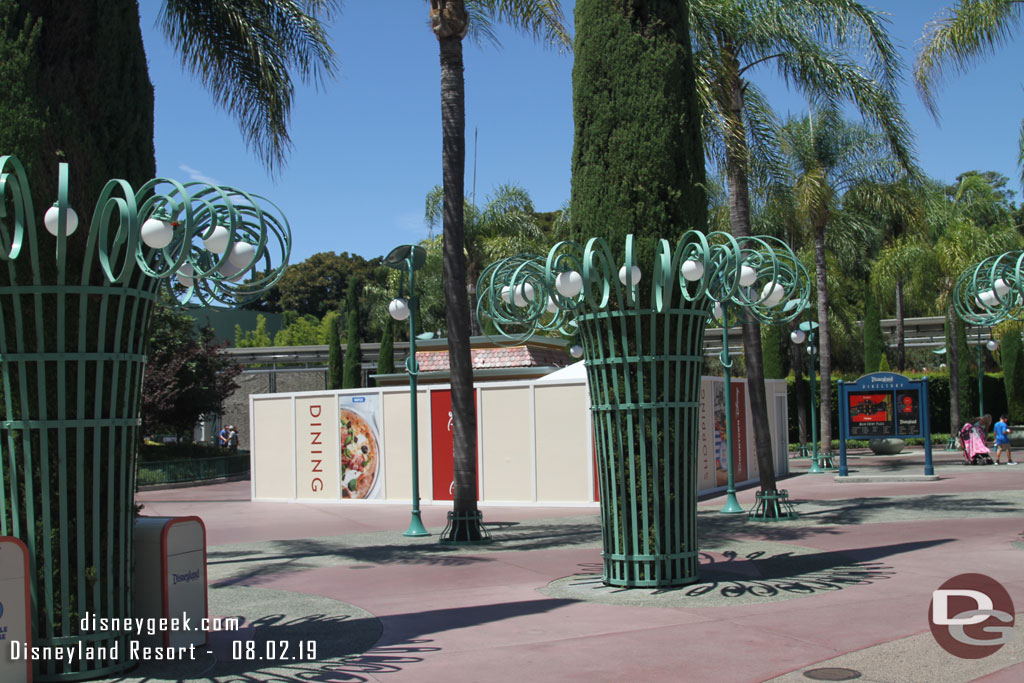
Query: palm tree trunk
x=901, y=355
x=453, y=123
x=739, y=220
x=824, y=340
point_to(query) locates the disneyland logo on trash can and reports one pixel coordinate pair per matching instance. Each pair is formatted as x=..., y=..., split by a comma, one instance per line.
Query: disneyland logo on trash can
x=971, y=616
x=187, y=577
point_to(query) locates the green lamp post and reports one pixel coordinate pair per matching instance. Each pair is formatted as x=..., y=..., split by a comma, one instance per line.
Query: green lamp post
x=643, y=345
x=761, y=256
x=408, y=258
x=75, y=310
x=807, y=331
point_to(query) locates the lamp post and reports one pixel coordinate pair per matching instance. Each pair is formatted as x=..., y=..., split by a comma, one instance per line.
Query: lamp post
x=991, y=345
x=806, y=331
x=732, y=505
x=409, y=258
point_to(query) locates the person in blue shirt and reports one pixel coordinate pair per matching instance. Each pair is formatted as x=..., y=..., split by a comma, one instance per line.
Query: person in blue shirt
x=1002, y=430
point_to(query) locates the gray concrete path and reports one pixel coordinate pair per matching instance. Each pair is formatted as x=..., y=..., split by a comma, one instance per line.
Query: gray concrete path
x=842, y=590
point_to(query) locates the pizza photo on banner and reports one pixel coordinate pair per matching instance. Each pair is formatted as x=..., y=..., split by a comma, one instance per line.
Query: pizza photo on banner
x=359, y=444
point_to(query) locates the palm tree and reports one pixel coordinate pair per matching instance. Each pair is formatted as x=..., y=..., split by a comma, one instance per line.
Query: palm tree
x=451, y=21
x=898, y=210
x=829, y=157
x=958, y=38
x=504, y=226
x=811, y=45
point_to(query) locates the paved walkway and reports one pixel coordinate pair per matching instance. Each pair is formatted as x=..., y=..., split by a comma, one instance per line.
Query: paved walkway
x=846, y=587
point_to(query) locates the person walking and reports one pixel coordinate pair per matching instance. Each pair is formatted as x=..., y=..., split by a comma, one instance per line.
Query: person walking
x=1002, y=430
x=222, y=437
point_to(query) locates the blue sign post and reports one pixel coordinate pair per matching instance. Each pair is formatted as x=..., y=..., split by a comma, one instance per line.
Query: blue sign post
x=882, y=405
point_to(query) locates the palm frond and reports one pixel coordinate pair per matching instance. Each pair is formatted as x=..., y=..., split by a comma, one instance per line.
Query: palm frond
x=543, y=20
x=245, y=53
x=958, y=38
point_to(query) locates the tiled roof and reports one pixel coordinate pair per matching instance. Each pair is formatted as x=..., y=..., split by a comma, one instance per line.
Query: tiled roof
x=501, y=357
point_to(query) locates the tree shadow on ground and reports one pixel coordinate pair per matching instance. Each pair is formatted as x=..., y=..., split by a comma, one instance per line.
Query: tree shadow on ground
x=857, y=510
x=259, y=564
x=756, y=576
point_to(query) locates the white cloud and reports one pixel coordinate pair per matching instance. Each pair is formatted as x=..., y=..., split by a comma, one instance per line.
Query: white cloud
x=197, y=175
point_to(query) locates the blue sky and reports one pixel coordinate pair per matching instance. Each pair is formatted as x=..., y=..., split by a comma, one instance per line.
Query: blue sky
x=368, y=145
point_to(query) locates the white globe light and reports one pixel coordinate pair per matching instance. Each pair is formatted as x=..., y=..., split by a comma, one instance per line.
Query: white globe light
x=798, y=336
x=576, y=351
x=634, y=272
x=216, y=239
x=156, y=233
x=569, y=283
x=552, y=306
x=232, y=272
x=693, y=270
x=810, y=350
x=241, y=254
x=398, y=309
x=772, y=294
x=524, y=294
x=505, y=294
x=50, y=219
x=185, y=274
x=991, y=345
x=989, y=298
x=716, y=311
x=748, y=276
x=1002, y=287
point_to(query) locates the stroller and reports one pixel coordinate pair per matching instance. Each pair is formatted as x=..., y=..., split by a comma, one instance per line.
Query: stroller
x=973, y=441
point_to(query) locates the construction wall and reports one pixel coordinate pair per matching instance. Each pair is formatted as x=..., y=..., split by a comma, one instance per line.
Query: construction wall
x=535, y=442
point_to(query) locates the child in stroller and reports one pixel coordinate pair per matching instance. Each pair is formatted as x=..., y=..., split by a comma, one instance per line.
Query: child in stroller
x=972, y=437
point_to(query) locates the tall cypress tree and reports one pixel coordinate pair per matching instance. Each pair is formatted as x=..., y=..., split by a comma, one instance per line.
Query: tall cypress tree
x=352, y=376
x=638, y=168
x=771, y=351
x=386, y=359
x=335, y=362
x=1012, y=355
x=874, y=343
x=638, y=164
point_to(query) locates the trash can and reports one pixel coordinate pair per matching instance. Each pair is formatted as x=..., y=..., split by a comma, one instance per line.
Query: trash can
x=170, y=580
x=15, y=615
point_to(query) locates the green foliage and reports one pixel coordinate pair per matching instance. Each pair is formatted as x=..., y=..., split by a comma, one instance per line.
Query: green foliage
x=386, y=359
x=318, y=285
x=967, y=374
x=257, y=338
x=772, y=339
x=187, y=376
x=335, y=356
x=352, y=374
x=1012, y=354
x=306, y=330
x=637, y=159
x=874, y=343
x=883, y=365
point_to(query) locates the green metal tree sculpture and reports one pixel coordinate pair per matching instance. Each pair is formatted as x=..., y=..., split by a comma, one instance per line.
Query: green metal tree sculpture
x=72, y=350
x=644, y=364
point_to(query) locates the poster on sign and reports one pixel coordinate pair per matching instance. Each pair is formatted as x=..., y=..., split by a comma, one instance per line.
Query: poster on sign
x=442, y=438
x=361, y=461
